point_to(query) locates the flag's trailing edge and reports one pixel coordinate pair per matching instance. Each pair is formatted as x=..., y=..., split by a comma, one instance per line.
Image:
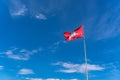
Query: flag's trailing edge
x=77, y=33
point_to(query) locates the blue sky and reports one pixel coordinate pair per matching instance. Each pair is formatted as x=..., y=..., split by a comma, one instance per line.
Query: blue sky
x=32, y=45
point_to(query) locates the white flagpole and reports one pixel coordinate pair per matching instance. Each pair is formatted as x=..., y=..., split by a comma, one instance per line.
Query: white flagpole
x=85, y=57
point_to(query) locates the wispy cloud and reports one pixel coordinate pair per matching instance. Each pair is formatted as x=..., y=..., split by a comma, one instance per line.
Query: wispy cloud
x=71, y=79
x=114, y=74
x=17, y=8
x=20, y=54
x=114, y=71
x=55, y=45
x=77, y=68
x=48, y=7
x=19, y=12
x=48, y=79
x=108, y=29
x=36, y=8
x=33, y=78
x=52, y=79
x=1, y=67
x=106, y=25
x=25, y=71
x=41, y=16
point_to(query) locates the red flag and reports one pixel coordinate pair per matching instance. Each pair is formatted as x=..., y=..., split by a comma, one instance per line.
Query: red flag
x=77, y=33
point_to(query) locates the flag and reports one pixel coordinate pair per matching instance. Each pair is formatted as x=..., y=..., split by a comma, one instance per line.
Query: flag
x=77, y=33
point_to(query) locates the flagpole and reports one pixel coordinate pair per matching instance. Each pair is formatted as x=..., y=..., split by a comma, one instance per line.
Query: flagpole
x=85, y=57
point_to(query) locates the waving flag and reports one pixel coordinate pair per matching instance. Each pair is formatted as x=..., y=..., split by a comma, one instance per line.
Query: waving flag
x=77, y=33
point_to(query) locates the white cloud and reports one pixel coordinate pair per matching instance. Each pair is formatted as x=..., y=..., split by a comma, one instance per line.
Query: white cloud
x=77, y=68
x=18, y=57
x=36, y=8
x=19, y=12
x=25, y=71
x=41, y=16
x=17, y=8
x=34, y=78
x=20, y=54
x=9, y=52
x=48, y=79
x=23, y=50
x=1, y=67
x=70, y=79
x=52, y=79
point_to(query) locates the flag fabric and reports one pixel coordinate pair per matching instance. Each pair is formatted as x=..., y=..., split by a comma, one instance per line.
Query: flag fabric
x=77, y=33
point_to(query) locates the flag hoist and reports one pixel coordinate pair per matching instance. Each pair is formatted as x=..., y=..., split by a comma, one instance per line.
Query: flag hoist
x=78, y=33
